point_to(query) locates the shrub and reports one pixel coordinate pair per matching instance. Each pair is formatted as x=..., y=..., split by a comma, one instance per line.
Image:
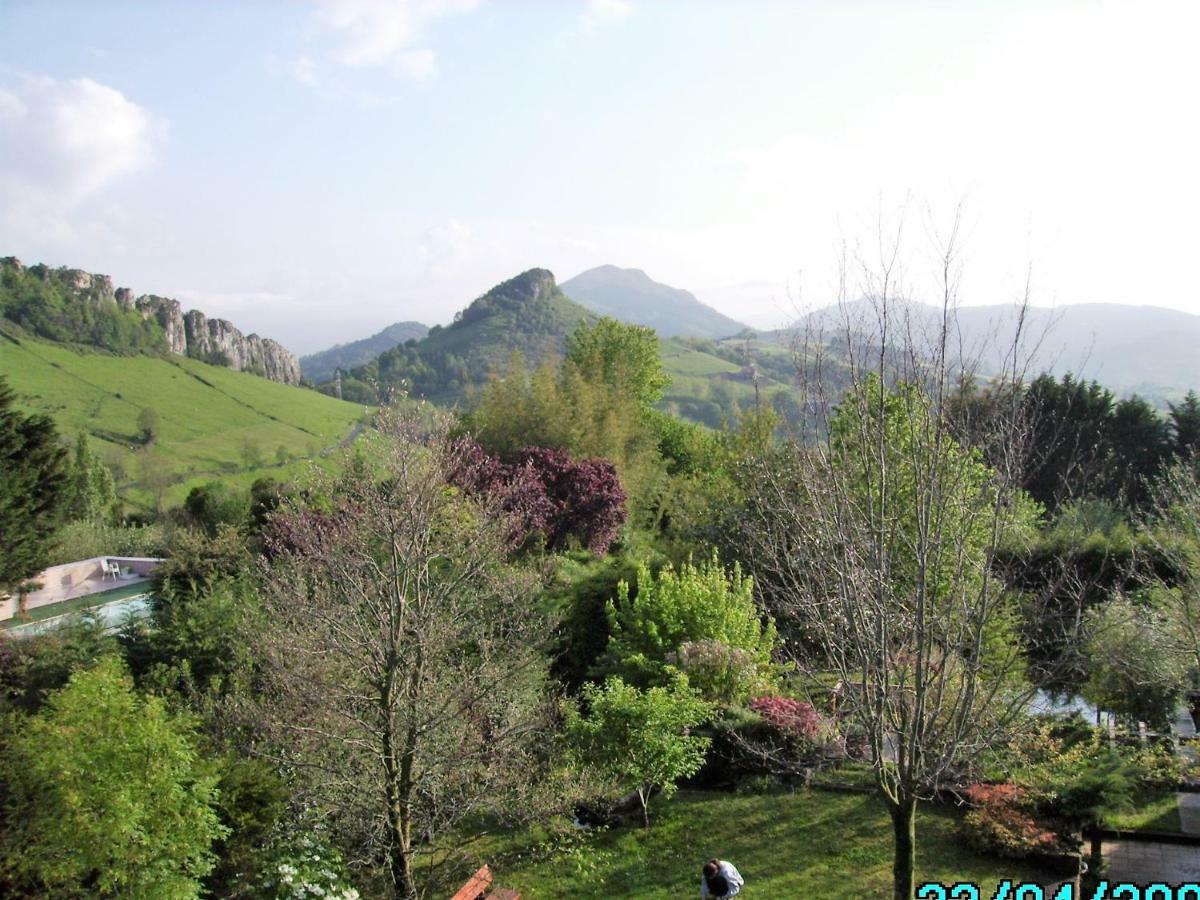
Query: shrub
x=720, y=673
x=544, y=491
x=304, y=865
x=790, y=717
x=639, y=739
x=999, y=823
x=693, y=604
x=83, y=540
x=1157, y=766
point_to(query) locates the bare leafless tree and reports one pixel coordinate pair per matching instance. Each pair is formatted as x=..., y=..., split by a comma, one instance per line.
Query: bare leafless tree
x=874, y=540
x=403, y=664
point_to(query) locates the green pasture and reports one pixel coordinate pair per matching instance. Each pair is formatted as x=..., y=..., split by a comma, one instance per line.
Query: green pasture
x=214, y=422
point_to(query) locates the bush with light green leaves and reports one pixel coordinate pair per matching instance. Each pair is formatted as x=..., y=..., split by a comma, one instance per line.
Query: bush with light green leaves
x=660, y=626
x=107, y=795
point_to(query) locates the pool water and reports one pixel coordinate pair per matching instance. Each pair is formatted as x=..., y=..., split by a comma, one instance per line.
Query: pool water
x=112, y=607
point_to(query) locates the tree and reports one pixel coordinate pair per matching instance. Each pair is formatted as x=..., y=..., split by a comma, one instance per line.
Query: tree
x=625, y=357
x=1185, y=426
x=544, y=491
x=1139, y=443
x=874, y=545
x=32, y=480
x=91, y=493
x=404, y=673
x=1135, y=668
x=596, y=404
x=1173, y=531
x=154, y=469
x=217, y=503
x=200, y=560
x=640, y=738
x=251, y=452
x=149, y=422
x=34, y=667
x=697, y=603
x=1068, y=445
x=200, y=643
x=108, y=795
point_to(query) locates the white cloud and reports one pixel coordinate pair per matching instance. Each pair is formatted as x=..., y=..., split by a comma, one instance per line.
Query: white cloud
x=387, y=34
x=304, y=70
x=64, y=142
x=68, y=140
x=606, y=12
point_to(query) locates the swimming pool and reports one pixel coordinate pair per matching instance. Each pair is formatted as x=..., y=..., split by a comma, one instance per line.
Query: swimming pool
x=113, y=608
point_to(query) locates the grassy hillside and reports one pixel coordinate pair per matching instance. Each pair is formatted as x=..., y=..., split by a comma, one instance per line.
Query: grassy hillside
x=712, y=380
x=215, y=422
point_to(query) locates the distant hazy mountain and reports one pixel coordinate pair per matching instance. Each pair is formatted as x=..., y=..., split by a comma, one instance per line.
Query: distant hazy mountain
x=319, y=367
x=632, y=296
x=1143, y=349
x=1131, y=349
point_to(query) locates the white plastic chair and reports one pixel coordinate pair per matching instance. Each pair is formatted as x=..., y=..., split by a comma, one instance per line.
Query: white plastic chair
x=110, y=568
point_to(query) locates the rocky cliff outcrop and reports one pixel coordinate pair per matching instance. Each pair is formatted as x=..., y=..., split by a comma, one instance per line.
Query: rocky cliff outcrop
x=187, y=334
x=169, y=315
x=218, y=341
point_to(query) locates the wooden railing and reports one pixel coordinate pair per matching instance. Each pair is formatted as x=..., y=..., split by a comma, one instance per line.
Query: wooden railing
x=479, y=887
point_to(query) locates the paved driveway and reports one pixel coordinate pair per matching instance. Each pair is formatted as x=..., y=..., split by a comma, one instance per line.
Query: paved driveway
x=1144, y=862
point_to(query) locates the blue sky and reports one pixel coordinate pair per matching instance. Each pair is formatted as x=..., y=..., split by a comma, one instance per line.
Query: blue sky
x=317, y=170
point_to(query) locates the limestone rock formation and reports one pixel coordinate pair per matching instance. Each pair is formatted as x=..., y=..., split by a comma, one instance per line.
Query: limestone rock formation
x=218, y=341
x=169, y=315
x=187, y=334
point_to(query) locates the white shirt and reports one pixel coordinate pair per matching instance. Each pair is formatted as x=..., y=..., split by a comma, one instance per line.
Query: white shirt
x=732, y=875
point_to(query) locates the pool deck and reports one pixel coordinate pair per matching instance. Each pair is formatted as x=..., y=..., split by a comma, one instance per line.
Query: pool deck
x=78, y=585
x=94, y=586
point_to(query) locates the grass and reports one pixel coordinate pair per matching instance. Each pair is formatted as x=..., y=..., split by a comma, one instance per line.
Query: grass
x=679, y=359
x=210, y=416
x=812, y=843
x=1156, y=810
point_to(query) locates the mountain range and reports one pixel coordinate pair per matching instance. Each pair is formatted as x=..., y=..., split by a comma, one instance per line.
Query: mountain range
x=717, y=365
x=527, y=315
x=319, y=367
x=633, y=296
x=1147, y=350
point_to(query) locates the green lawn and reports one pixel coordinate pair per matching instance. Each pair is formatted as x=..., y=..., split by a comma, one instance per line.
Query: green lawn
x=818, y=844
x=210, y=416
x=1151, y=810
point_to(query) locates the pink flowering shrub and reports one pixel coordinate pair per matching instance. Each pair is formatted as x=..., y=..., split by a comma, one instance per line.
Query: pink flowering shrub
x=999, y=823
x=791, y=717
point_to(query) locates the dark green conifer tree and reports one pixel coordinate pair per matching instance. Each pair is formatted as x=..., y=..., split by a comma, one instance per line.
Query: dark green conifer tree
x=32, y=474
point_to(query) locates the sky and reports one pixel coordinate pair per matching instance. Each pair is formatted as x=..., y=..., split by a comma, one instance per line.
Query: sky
x=314, y=171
